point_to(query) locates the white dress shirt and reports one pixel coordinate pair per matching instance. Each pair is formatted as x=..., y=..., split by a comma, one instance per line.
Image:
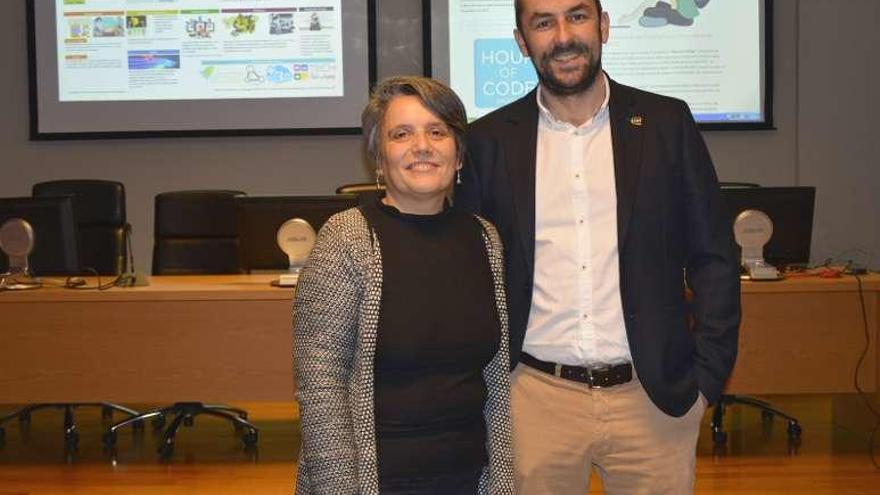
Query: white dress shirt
x=576, y=316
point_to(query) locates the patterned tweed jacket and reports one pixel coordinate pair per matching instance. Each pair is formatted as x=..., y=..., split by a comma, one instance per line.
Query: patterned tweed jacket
x=336, y=313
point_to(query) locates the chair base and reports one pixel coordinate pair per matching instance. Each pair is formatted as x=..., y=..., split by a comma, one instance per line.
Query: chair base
x=184, y=412
x=71, y=435
x=768, y=412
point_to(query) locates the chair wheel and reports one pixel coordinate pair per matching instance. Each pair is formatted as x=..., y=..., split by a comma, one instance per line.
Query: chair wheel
x=250, y=438
x=719, y=437
x=794, y=444
x=794, y=430
x=166, y=450
x=158, y=422
x=166, y=446
x=188, y=420
x=109, y=439
x=71, y=439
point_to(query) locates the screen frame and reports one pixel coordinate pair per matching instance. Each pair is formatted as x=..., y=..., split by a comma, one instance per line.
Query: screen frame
x=789, y=208
x=257, y=240
x=62, y=255
x=37, y=135
x=766, y=124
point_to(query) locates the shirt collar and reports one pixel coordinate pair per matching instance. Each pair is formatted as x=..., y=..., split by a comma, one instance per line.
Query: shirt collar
x=552, y=122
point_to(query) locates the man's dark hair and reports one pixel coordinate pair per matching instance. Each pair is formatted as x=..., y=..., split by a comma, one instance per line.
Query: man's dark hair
x=517, y=7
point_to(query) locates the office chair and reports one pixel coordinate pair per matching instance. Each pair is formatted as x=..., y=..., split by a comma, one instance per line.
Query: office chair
x=99, y=216
x=768, y=412
x=196, y=233
x=366, y=192
x=360, y=187
x=71, y=435
x=736, y=185
x=99, y=212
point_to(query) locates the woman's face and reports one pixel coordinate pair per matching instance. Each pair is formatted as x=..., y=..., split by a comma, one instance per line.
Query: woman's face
x=419, y=156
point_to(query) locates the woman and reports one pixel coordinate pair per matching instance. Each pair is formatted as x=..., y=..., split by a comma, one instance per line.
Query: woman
x=401, y=348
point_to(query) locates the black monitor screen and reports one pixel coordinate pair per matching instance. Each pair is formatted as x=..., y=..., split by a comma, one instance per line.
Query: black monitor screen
x=55, y=238
x=260, y=217
x=790, y=209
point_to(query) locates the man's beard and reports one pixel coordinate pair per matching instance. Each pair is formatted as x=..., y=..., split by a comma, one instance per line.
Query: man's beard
x=560, y=88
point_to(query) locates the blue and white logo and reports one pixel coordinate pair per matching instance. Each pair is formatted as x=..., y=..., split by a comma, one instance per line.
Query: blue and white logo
x=501, y=73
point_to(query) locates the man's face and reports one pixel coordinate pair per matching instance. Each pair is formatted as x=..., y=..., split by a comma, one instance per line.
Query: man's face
x=564, y=40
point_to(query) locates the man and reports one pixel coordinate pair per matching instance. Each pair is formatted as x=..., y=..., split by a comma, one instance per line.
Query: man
x=606, y=200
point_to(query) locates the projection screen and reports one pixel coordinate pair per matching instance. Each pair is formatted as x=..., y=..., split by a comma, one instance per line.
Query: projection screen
x=134, y=68
x=714, y=54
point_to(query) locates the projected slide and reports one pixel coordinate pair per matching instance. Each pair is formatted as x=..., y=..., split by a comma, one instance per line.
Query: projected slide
x=709, y=53
x=136, y=50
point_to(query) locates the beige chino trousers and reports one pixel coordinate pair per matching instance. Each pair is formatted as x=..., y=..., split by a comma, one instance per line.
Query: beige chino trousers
x=561, y=428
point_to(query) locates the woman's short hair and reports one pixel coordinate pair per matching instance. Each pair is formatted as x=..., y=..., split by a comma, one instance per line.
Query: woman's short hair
x=435, y=96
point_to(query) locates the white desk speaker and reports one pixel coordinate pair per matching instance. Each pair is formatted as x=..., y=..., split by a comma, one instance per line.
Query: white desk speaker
x=753, y=230
x=296, y=237
x=17, y=241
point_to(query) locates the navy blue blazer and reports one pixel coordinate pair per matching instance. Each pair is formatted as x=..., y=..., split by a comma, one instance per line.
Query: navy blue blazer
x=671, y=228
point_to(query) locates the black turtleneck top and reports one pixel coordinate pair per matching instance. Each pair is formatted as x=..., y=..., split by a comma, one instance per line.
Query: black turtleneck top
x=438, y=329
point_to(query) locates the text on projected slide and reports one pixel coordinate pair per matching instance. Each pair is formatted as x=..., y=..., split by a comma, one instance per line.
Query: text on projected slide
x=706, y=52
x=112, y=50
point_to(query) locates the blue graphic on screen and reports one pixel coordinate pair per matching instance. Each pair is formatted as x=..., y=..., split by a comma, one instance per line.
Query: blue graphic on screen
x=278, y=74
x=501, y=73
x=153, y=59
x=728, y=117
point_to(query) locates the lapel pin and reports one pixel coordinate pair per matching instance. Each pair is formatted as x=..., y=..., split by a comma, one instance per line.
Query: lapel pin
x=637, y=121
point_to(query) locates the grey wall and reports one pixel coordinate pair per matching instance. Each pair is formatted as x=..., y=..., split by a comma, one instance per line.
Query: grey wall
x=824, y=73
x=838, y=144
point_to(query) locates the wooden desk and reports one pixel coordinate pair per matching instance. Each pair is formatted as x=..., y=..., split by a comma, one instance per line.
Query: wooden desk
x=224, y=338
x=805, y=335
x=206, y=338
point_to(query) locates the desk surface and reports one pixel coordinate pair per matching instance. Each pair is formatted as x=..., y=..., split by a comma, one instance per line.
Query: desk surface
x=166, y=287
x=845, y=283
x=222, y=338
x=198, y=287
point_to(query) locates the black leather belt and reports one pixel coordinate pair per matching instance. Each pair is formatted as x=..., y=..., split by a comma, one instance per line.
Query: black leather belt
x=595, y=377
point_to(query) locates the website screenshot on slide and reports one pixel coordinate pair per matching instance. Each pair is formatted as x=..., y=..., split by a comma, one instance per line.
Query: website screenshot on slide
x=706, y=52
x=134, y=50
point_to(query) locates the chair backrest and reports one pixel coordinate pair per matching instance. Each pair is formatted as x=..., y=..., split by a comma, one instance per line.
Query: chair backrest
x=738, y=185
x=366, y=191
x=99, y=211
x=196, y=233
x=361, y=187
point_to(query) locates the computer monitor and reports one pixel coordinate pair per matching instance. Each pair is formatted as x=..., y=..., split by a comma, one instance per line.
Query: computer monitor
x=56, y=249
x=791, y=211
x=260, y=217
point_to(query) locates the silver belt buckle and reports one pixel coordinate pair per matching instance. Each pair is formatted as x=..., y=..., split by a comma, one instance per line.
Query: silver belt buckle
x=590, y=379
x=603, y=367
